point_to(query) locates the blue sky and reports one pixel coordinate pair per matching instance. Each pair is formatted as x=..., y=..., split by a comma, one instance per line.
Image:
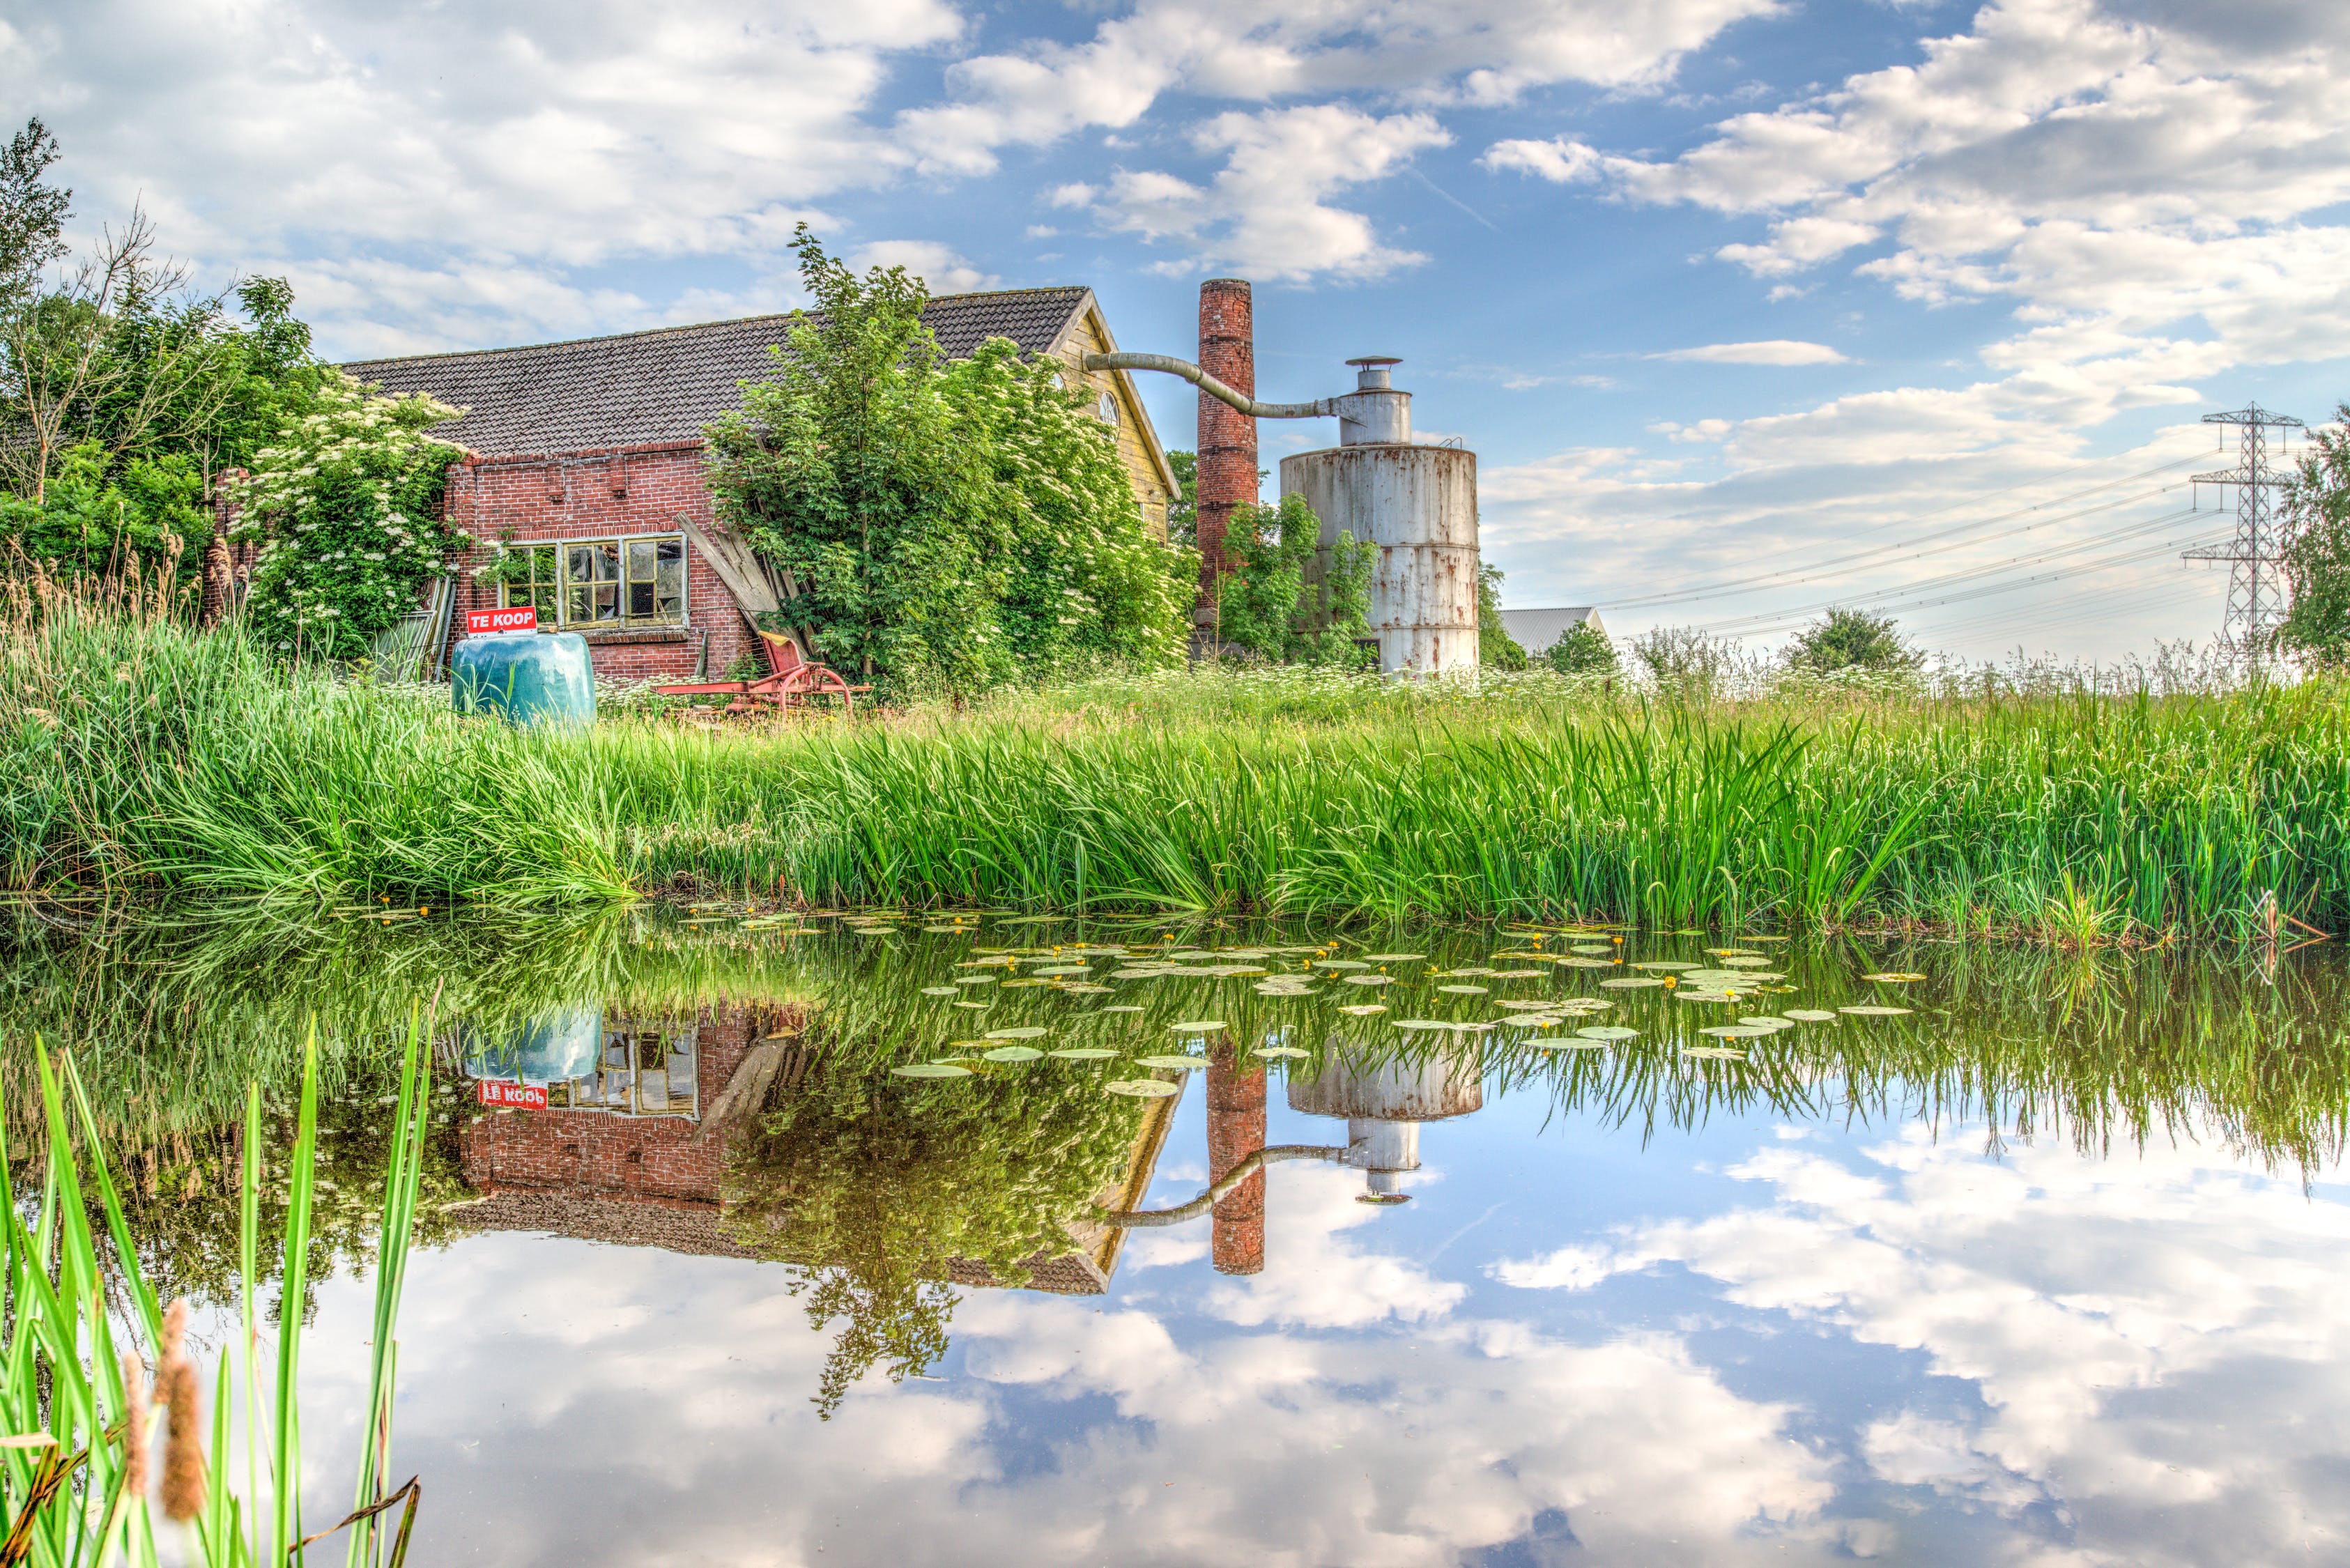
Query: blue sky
x=1717, y=289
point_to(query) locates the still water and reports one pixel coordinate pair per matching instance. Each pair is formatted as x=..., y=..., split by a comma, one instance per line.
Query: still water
x=2034, y=1260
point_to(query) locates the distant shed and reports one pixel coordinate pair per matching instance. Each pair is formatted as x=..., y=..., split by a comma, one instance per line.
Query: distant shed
x=1537, y=629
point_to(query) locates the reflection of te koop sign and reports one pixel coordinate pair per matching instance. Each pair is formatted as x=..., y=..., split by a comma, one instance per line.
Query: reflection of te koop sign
x=522, y=619
x=529, y=1096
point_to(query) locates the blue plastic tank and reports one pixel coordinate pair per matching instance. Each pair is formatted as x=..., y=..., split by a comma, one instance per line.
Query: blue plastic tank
x=525, y=676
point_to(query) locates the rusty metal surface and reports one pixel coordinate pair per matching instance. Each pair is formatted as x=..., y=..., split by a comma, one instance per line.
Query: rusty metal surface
x=1418, y=505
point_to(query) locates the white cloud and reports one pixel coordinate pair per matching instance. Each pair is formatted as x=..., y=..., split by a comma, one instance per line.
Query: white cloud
x=498, y=138
x=1266, y=213
x=1560, y=160
x=1769, y=351
x=936, y=264
x=1430, y=51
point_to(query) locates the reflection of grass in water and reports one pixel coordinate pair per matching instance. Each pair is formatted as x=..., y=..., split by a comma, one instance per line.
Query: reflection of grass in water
x=151, y=754
x=2104, y=1051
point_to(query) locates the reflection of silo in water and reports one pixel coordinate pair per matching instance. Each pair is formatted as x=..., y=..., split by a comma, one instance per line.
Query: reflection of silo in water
x=1383, y=1100
x=552, y=1048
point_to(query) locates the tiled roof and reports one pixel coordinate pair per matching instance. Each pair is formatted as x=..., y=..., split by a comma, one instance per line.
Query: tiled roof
x=1535, y=630
x=667, y=384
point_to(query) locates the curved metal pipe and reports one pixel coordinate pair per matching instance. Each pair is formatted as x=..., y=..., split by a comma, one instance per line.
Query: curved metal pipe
x=1325, y=408
x=1148, y=1219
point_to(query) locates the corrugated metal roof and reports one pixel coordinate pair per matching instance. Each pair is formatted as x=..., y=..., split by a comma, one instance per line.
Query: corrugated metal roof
x=669, y=383
x=1535, y=630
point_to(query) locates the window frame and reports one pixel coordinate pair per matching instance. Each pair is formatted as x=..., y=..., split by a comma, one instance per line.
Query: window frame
x=539, y=593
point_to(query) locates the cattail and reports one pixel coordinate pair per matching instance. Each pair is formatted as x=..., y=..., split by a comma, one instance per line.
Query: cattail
x=135, y=1427
x=183, y=1446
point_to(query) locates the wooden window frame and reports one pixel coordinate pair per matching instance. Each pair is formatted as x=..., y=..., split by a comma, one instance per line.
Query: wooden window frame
x=557, y=590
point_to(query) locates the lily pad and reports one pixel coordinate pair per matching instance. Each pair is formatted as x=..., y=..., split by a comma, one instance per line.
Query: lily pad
x=940, y=991
x=1875, y=1011
x=1392, y=958
x=1593, y=949
x=1198, y=1025
x=951, y=931
x=1013, y=1054
x=976, y=1006
x=1370, y=979
x=1714, y=1053
x=1736, y=1031
x=1769, y=1020
x=1630, y=982
x=930, y=1070
x=1517, y=974
x=1172, y=1064
x=1281, y=1050
x=1122, y=1008
x=1363, y=1009
x=1608, y=1032
x=1025, y=1032
x=1586, y=963
x=1811, y=1015
x=1340, y=963
x=1894, y=978
x=1081, y=1054
x=1663, y=964
x=1142, y=1089
x=1466, y=990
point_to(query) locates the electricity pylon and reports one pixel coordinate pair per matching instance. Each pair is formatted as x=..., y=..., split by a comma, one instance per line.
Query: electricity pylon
x=2256, y=585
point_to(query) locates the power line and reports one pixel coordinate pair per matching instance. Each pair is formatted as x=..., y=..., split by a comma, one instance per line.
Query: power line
x=1764, y=622
x=1792, y=576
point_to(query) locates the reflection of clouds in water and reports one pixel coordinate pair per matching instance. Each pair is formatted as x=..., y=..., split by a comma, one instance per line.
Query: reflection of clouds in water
x=645, y=1408
x=2162, y=1340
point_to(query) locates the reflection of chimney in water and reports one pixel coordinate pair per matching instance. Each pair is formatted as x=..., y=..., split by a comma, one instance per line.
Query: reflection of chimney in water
x=1236, y=1131
x=1383, y=1101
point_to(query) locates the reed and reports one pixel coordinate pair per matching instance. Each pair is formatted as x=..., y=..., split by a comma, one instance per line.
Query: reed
x=85, y=1325
x=145, y=757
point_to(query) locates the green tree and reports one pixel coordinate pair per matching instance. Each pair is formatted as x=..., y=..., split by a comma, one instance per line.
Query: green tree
x=1583, y=649
x=1184, y=508
x=937, y=523
x=1853, y=640
x=32, y=214
x=2318, y=556
x=99, y=517
x=1496, y=649
x=347, y=507
x=1286, y=600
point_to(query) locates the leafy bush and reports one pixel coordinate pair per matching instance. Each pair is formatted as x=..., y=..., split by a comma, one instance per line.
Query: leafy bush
x=942, y=524
x=1495, y=647
x=2317, y=558
x=1853, y=640
x=348, y=508
x=142, y=515
x=1276, y=604
x=1583, y=649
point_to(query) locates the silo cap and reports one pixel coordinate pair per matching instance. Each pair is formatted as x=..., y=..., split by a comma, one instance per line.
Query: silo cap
x=1371, y=371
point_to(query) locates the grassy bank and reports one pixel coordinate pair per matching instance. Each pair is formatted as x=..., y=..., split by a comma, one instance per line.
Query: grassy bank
x=143, y=756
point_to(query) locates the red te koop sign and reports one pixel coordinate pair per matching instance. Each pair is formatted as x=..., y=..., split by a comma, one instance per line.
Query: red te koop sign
x=527, y=1097
x=518, y=619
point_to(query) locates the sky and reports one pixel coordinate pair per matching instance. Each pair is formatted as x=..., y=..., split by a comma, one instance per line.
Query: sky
x=1747, y=306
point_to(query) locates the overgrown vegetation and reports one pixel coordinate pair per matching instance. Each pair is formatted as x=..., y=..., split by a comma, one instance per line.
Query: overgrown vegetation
x=1583, y=649
x=1854, y=639
x=346, y=508
x=939, y=524
x=141, y=755
x=1287, y=600
x=124, y=389
x=2317, y=629
x=1496, y=649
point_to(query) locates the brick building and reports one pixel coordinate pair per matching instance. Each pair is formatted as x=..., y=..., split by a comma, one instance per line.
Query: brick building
x=590, y=454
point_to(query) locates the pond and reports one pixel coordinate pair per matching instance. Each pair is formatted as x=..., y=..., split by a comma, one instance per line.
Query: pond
x=1193, y=1242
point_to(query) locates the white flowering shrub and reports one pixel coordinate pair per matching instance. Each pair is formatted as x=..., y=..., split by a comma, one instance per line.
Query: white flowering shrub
x=346, y=508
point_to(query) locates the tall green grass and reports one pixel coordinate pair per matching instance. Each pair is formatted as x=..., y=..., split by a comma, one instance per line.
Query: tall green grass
x=140, y=756
x=85, y=1340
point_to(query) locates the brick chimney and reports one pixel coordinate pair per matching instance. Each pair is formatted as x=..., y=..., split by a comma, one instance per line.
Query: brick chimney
x=1236, y=1131
x=1227, y=463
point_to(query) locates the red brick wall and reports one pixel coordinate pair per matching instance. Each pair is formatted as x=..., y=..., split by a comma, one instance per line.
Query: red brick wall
x=1227, y=456
x=547, y=497
x=658, y=1160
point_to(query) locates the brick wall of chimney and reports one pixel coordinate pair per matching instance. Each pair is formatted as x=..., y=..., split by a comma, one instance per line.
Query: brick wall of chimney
x=1227, y=456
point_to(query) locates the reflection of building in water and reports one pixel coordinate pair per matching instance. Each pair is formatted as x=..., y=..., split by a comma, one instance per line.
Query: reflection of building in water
x=632, y=1145
x=1235, y=1133
x=623, y=1152
x=1385, y=1101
